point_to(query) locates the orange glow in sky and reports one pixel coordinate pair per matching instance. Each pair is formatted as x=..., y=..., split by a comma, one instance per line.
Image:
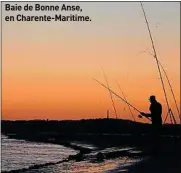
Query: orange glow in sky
x=48, y=67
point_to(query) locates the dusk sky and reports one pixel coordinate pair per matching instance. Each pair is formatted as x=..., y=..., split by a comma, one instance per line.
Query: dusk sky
x=48, y=66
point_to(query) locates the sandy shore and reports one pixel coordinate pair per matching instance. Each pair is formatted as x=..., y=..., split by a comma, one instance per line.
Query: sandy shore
x=165, y=161
x=122, y=134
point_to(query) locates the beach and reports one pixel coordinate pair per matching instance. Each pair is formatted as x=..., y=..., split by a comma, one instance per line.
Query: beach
x=30, y=157
x=87, y=151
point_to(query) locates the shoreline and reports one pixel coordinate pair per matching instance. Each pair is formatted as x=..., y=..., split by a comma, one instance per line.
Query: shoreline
x=75, y=157
x=104, y=135
x=83, y=154
x=162, y=163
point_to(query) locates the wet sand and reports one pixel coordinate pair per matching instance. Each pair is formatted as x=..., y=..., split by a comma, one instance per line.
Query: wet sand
x=107, y=154
x=114, y=159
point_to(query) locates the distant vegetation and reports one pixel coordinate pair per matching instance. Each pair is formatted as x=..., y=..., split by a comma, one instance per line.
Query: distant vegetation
x=100, y=132
x=109, y=126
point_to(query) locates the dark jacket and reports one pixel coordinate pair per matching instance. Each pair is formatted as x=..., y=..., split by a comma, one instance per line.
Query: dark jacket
x=156, y=114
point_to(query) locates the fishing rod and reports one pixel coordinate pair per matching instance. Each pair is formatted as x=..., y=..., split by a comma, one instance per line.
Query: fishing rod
x=155, y=55
x=127, y=104
x=110, y=94
x=119, y=97
x=169, y=83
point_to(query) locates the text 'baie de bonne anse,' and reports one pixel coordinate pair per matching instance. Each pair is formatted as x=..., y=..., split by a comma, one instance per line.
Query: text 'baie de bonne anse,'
x=45, y=17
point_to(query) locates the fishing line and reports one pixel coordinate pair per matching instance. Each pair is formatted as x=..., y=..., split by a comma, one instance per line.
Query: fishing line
x=118, y=96
x=110, y=94
x=155, y=55
x=127, y=104
x=169, y=83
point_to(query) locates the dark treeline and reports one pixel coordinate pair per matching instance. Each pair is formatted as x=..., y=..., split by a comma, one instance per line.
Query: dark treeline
x=101, y=132
x=83, y=126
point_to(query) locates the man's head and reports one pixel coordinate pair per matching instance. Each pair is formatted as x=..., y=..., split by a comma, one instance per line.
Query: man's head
x=152, y=99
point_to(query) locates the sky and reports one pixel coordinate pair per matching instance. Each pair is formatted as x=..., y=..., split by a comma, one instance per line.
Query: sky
x=47, y=67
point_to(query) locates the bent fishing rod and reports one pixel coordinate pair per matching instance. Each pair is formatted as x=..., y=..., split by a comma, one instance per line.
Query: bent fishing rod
x=118, y=96
x=155, y=55
x=169, y=83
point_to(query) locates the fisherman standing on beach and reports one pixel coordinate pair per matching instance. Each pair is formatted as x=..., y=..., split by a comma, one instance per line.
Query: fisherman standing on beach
x=156, y=118
x=156, y=113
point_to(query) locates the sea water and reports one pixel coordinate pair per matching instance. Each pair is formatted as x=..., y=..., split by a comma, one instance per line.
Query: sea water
x=18, y=154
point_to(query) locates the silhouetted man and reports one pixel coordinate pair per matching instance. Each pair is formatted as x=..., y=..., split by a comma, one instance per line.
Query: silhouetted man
x=156, y=114
x=156, y=118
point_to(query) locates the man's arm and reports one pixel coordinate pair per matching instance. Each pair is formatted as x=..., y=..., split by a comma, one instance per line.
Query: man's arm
x=145, y=114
